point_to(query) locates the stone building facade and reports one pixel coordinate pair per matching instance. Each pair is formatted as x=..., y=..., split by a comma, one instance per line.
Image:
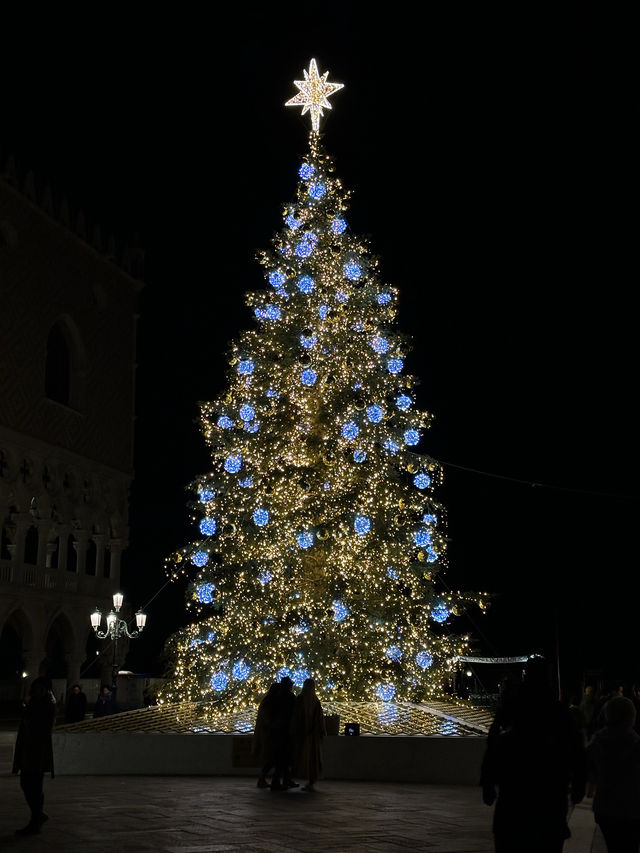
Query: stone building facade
x=67, y=373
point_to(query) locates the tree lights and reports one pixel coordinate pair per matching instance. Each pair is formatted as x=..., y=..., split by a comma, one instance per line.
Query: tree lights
x=316, y=536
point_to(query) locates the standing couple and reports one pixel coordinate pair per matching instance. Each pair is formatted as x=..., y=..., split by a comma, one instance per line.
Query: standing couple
x=288, y=735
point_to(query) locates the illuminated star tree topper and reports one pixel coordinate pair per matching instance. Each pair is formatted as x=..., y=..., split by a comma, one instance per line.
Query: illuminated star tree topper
x=314, y=93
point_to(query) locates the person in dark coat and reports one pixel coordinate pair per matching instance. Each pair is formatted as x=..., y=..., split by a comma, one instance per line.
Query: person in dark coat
x=33, y=752
x=106, y=703
x=535, y=758
x=614, y=768
x=76, y=706
x=263, y=745
x=283, y=747
x=308, y=730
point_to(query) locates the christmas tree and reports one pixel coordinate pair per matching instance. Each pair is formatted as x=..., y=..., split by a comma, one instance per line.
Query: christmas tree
x=320, y=536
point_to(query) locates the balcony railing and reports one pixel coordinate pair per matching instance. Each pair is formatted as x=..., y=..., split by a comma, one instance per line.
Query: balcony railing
x=52, y=579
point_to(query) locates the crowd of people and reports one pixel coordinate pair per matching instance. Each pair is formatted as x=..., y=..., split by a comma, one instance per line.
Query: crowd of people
x=543, y=756
x=288, y=736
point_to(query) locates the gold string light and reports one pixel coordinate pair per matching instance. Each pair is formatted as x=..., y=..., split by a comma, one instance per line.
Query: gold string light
x=321, y=535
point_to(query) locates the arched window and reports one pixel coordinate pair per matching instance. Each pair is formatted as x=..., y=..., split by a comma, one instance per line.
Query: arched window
x=5, y=554
x=58, y=367
x=10, y=654
x=57, y=647
x=72, y=557
x=31, y=546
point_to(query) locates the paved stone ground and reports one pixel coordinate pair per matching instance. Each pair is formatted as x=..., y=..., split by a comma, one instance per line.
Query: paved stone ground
x=230, y=815
x=212, y=815
x=177, y=814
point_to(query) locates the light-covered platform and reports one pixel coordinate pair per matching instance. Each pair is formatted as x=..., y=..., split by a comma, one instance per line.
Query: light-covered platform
x=439, y=717
x=442, y=743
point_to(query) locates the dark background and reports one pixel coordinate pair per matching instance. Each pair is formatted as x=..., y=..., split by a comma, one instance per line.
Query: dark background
x=486, y=165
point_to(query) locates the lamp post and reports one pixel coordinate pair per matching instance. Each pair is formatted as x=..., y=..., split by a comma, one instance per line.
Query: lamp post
x=116, y=628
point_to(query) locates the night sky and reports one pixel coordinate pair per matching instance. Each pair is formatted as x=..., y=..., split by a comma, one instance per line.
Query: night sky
x=484, y=166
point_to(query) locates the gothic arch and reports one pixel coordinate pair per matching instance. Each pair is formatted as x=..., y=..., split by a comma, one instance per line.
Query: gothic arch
x=31, y=545
x=18, y=621
x=16, y=646
x=66, y=363
x=60, y=646
x=10, y=653
x=5, y=539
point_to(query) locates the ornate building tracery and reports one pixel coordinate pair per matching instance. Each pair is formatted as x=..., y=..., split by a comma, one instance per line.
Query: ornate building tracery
x=67, y=360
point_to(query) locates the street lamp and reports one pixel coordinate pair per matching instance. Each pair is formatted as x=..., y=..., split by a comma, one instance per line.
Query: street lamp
x=116, y=628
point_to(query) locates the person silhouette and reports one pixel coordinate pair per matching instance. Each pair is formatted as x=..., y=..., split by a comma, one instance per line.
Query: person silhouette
x=308, y=731
x=613, y=755
x=535, y=756
x=33, y=751
x=283, y=712
x=76, y=706
x=263, y=746
x=105, y=703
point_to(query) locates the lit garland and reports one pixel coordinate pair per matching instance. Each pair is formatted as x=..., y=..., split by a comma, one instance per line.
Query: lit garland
x=322, y=538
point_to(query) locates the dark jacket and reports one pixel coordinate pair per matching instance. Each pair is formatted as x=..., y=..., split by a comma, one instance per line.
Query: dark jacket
x=614, y=766
x=535, y=756
x=34, y=750
x=76, y=707
x=263, y=746
x=105, y=705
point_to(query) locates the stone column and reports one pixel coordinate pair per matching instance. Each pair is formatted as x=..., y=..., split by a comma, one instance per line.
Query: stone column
x=116, y=547
x=81, y=538
x=51, y=550
x=63, y=539
x=99, y=539
x=44, y=529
